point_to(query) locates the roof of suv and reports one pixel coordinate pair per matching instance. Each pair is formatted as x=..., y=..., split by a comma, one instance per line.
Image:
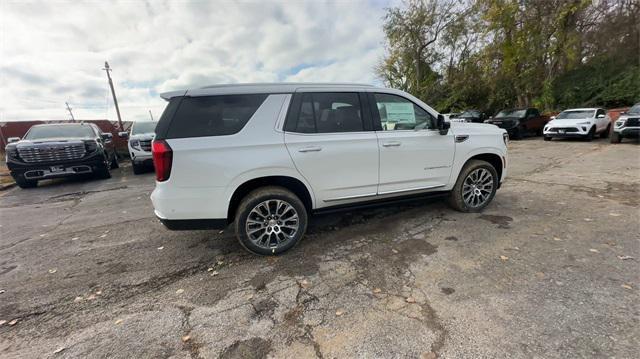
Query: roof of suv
x=254, y=88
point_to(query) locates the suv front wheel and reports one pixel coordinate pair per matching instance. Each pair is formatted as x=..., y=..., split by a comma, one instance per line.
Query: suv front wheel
x=270, y=220
x=475, y=188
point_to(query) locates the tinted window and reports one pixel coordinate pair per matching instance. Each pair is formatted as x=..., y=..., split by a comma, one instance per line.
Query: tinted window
x=398, y=113
x=61, y=131
x=213, y=115
x=329, y=112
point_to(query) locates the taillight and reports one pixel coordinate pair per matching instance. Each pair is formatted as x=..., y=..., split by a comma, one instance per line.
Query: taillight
x=162, y=158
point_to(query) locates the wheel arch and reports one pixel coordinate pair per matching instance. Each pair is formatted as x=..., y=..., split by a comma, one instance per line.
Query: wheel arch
x=493, y=158
x=291, y=183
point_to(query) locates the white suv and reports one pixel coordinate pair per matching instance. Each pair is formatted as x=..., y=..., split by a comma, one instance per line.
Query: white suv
x=266, y=156
x=578, y=122
x=139, y=144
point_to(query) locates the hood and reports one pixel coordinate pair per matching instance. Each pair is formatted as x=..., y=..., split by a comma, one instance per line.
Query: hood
x=44, y=141
x=569, y=121
x=143, y=136
x=468, y=128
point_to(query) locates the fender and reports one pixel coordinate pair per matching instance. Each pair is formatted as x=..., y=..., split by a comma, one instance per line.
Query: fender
x=461, y=159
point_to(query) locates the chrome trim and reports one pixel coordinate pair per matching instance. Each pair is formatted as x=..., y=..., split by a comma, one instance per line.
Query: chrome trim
x=350, y=197
x=461, y=138
x=411, y=189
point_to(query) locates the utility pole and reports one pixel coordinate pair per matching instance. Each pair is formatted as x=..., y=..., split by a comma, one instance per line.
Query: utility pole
x=113, y=92
x=150, y=115
x=70, y=113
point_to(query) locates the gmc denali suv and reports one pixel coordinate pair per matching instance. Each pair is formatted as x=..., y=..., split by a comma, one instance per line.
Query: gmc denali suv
x=60, y=150
x=266, y=156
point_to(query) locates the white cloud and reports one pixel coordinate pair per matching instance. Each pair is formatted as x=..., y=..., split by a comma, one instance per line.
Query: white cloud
x=52, y=52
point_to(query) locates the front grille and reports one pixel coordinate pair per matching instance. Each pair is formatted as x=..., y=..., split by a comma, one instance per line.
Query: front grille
x=565, y=129
x=145, y=145
x=633, y=122
x=52, y=154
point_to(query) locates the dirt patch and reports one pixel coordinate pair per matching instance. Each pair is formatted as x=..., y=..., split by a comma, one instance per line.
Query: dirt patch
x=447, y=290
x=501, y=221
x=245, y=349
x=451, y=238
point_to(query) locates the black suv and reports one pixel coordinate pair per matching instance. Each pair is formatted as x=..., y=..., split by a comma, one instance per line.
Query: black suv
x=60, y=150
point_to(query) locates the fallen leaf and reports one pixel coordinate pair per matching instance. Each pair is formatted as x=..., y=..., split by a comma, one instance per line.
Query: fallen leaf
x=124, y=212
x=219, y=263
x=78, y=299
x=99, y=292
x=160, y=248
x=51, y=271
x=209, y=269
x=557, y=239
x=410, y=300
x=220, y=232
x=305, y=284
x=186, y=338
x=180, y=291
x=42, y=235
x=102, y=236
x=1, y=291
x=540, y=275
x=2, y=322
x=614, y=214
x=588, y=219
x=428, y=355
x=594, y=250
x=119, y=321
x=504, y=258
x=625, y=286
x=377, y=290
x=339, y=312
x=394, y=251
x=250, y=296
x=75, y=238
x=91, y=297
x=214, y=273
x=15, y=321
x=600, y=196
x=59, y=350
x=624, y=258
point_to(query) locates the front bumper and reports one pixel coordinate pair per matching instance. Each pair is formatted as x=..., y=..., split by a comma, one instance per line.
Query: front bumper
x=628, y=131
x=40, y=171
x=566, y=131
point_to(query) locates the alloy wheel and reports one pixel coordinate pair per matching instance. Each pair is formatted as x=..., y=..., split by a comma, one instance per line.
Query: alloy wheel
x=272, y=223
x=477, y=187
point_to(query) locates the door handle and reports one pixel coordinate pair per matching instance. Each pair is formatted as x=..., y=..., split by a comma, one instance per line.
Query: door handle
x=391, y=144
x=310, y=149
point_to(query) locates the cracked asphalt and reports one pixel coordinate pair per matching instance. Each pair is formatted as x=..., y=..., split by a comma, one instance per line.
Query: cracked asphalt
x=550, y=270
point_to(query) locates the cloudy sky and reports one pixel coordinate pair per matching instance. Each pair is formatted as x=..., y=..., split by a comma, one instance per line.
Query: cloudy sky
x=53, y=51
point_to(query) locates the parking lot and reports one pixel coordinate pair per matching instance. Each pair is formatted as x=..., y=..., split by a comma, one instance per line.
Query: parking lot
x=550, y=269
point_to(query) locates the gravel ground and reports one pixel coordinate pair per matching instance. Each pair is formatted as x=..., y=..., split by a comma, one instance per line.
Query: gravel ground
x=550, y=269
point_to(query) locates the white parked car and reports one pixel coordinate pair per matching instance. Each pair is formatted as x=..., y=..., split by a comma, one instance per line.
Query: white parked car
x=578, y=122
x=142, y=133
x=627, y=125
x=266, y=156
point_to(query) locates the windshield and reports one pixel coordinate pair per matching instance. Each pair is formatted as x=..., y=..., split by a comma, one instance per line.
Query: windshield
x=575, y=114
x=470, y=114
x=511, y=113
x=143, y=127
x=59, y=131
x=635, y=110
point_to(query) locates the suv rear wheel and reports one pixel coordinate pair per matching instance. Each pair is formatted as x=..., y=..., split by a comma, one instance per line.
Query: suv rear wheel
x=475, y=188
x=270, y=220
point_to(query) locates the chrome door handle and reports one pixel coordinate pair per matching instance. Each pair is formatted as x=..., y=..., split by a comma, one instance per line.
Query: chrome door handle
x=310, y=149
x=391, y=144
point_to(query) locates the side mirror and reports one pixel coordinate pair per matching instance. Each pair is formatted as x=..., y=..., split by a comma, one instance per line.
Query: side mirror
x=13, y=139
x=443, y=126
x=553, y=118
x=600, y=116
x=107, y=137
x=123, y=134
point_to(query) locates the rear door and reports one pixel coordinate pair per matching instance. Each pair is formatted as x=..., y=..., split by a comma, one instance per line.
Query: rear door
x=413, y=154
x=331, y=142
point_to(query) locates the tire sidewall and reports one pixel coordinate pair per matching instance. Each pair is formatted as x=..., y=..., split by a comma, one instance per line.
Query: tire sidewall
x=245, y=208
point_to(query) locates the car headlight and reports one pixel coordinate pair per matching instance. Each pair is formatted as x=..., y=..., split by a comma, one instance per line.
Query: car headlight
x=135, y=144
x=91, y=145
x=620, y=123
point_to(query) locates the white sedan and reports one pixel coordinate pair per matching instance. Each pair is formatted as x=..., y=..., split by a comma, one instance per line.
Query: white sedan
x=578, y=122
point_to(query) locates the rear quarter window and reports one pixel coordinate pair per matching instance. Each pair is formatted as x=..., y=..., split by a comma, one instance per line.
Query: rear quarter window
x=212, y=115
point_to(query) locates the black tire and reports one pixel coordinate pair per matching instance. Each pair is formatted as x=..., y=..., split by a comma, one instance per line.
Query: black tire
x=114, y=161
x=247, y=208
x=591, y=134
x=539, y=132
x=605, y=133
x=103, y=172
x=517, y=133
x=547, y=138
x=615, y=137
x=456, y=199
x=137, y=169
x=25, y=183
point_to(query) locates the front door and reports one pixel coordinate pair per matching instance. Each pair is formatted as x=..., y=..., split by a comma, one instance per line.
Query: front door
x=331, y=146
x=413, y=154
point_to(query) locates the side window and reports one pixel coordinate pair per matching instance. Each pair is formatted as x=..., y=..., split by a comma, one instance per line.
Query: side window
x=329, y=112
x=600, y=112
x=534, y=113
x=213, y=115
x=398, y=113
